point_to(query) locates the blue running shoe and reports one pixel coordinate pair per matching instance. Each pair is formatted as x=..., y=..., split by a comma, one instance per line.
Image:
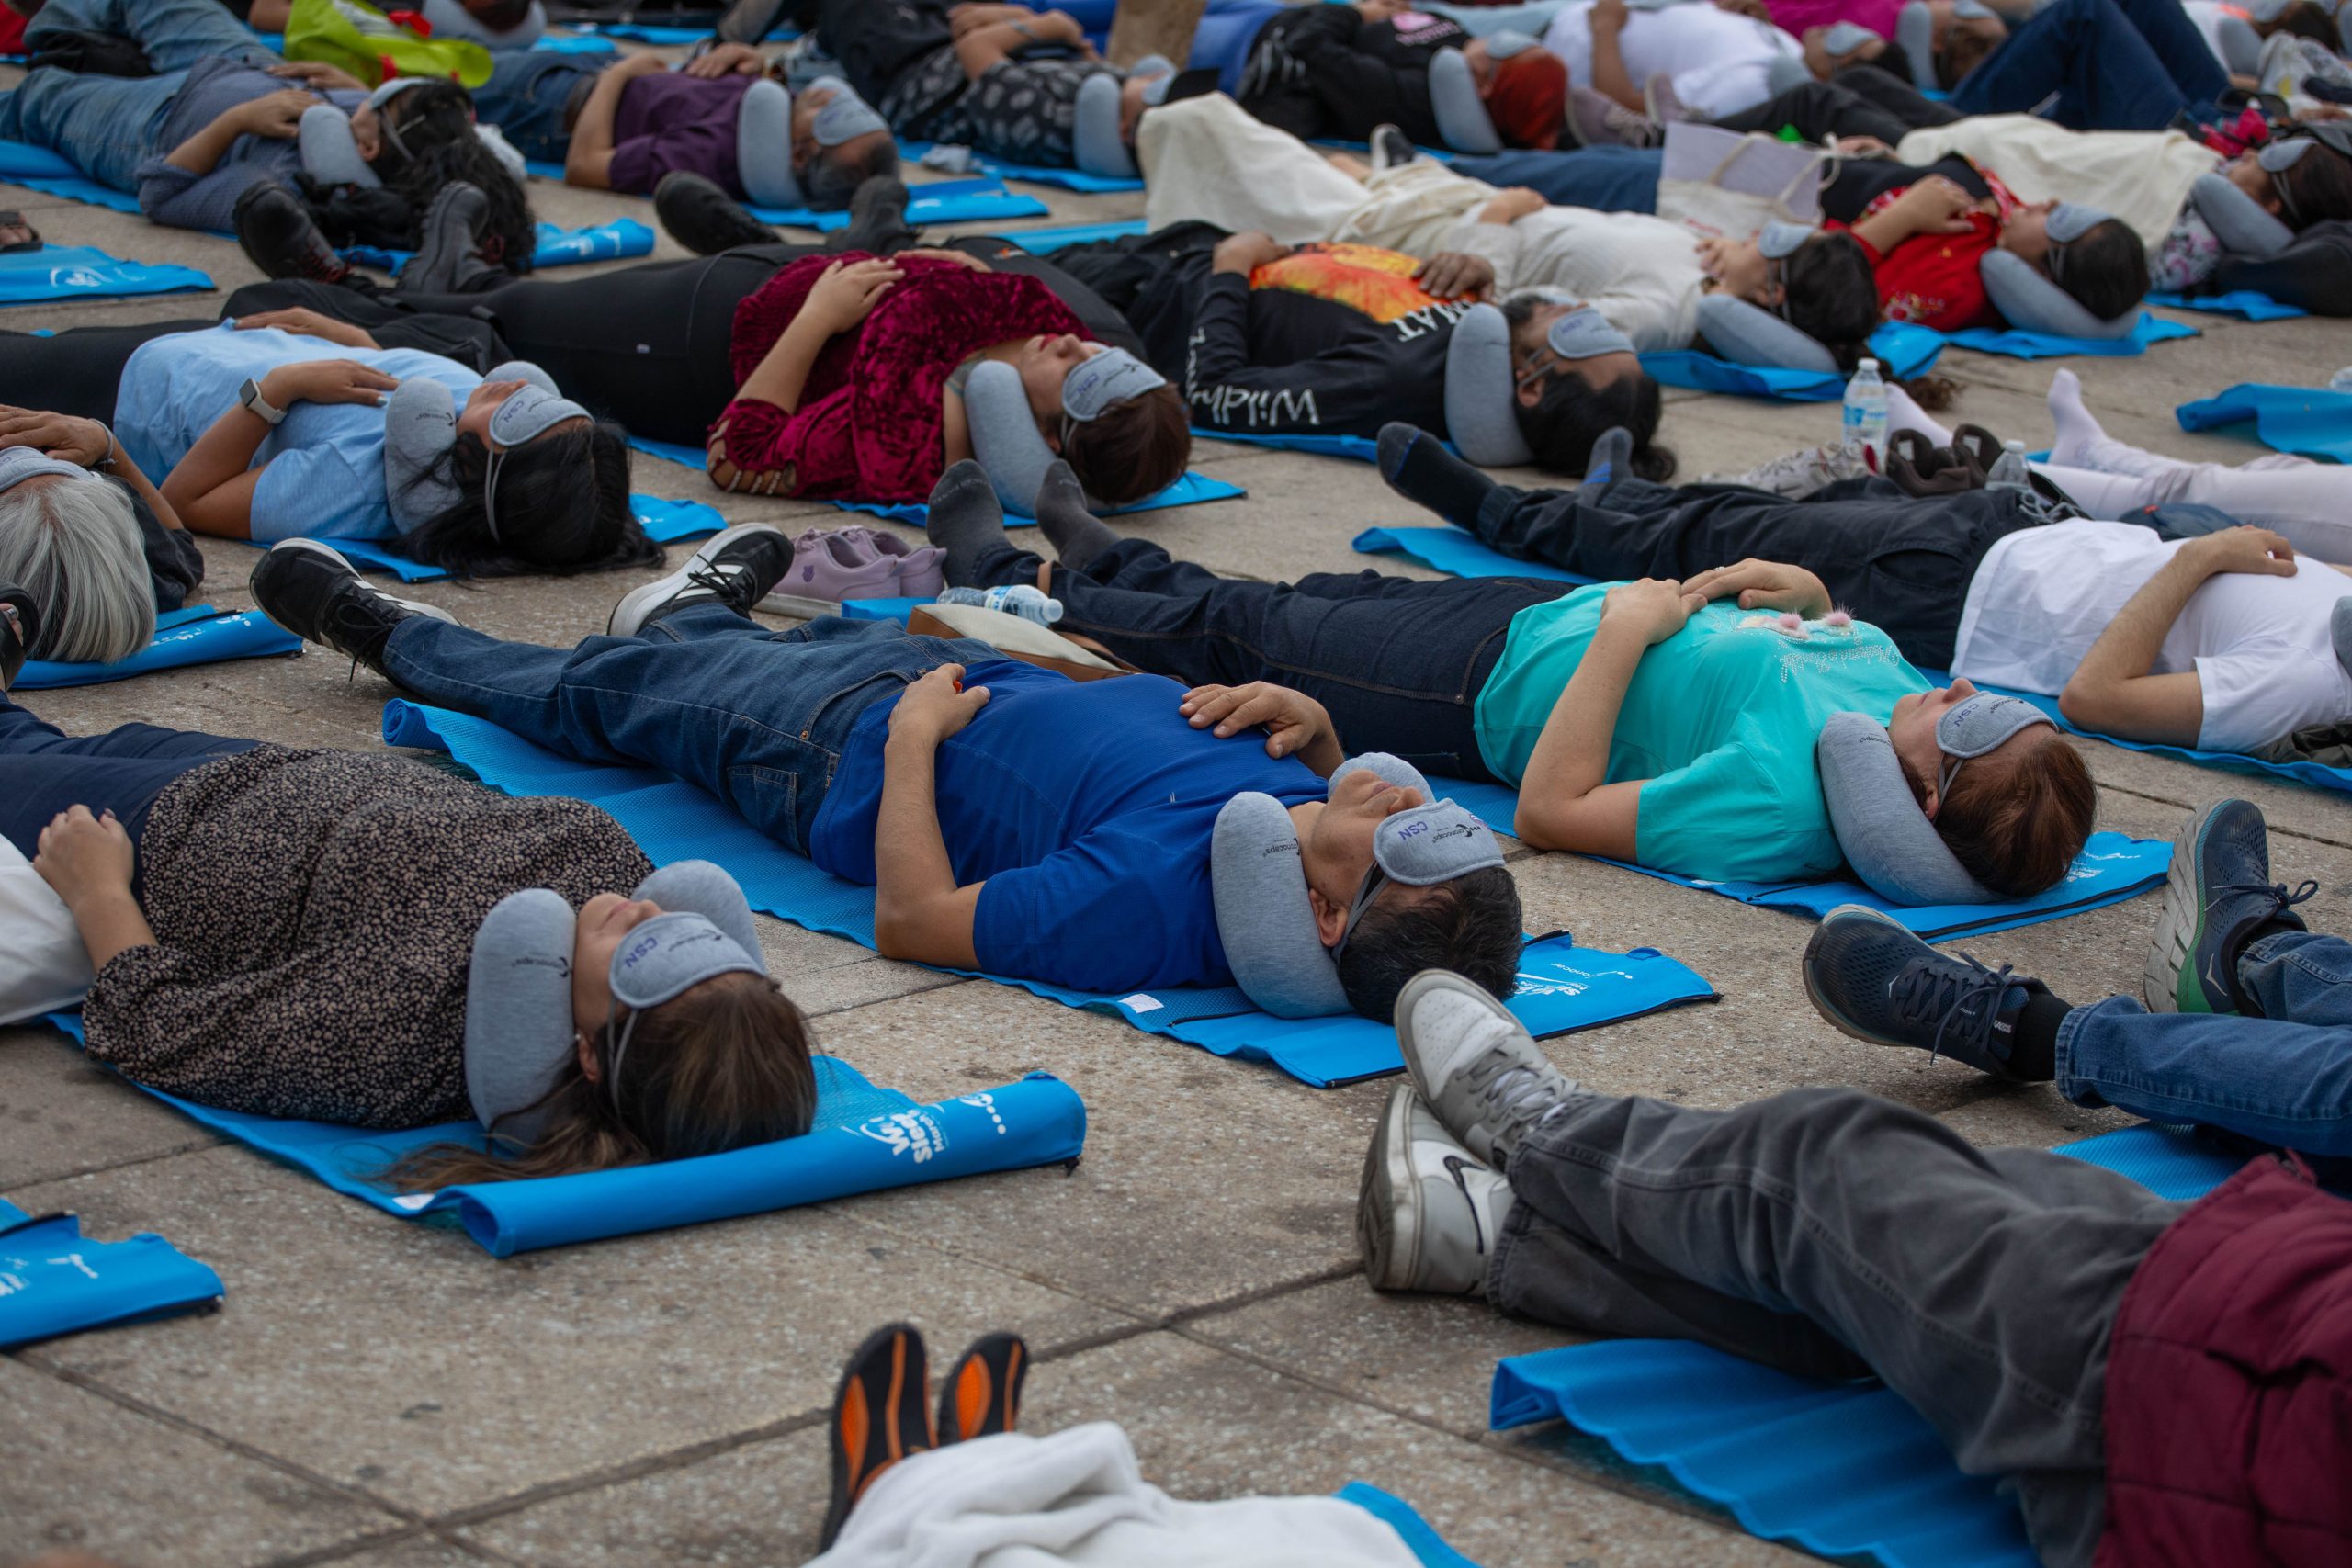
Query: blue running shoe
x=1872, y=979
x=2217, y=893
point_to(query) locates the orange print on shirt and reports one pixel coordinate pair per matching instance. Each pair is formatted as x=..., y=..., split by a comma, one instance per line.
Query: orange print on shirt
x=1365, y=279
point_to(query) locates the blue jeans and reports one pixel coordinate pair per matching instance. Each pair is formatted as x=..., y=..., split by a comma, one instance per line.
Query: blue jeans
x=2284, y=1078
x=1606, y=179
x=174, y=34
x=526, y=94
x=1398, y=662
x=105, y=125
x=43, y=771
x=757, y=717
x=2114, y=65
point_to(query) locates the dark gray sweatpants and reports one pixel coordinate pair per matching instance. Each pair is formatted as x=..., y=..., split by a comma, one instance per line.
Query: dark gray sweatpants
x=1830, y=1233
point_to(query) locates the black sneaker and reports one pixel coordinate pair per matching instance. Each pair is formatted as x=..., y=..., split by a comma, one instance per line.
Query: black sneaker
x=704, y=219
x=278, y=236
x=315, y=593
x=19, y=629
x=2218, y=892
x=738, y=569
x=1873, y=980
x=748, y=21
x=878, y=217
x=1391, y=148
x=881, y=1414
x=449, y=243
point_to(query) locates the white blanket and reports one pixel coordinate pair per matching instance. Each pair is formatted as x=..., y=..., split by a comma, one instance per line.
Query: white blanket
x=2141, y=176
x=1077, y=1497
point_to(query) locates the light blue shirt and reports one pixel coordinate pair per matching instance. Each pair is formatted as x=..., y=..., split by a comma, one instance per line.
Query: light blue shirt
x=323, y=470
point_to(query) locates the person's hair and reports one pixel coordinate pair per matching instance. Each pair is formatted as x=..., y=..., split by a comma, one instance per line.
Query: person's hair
x=723, y=1066
x=498, y=15
x=1135, y=448
x=2016, y=816
x=2107, y=269
x=833, y=174
x=1571, y=413
x=74, y=547
x=2320, y=184
x=562, y=508
x=1832, y=297
x=1961, y=53
x=2305, y=19
x=1470, y=925
x=437, y=145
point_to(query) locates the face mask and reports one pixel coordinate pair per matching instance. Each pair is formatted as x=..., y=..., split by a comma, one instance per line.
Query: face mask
x=1420, y=848
x=1780, y=241
x=1585, y=333
x=844, y=119
x=527, y=413
x=1097, y=382
x=1971, y=728
x=2068, y=222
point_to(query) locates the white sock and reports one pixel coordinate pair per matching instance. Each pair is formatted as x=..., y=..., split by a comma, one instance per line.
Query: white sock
x=2077, y=430
x=1902, y=413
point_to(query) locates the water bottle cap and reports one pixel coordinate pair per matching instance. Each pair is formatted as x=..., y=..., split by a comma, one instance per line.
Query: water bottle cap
x=2012, y=446
x=1868, y=364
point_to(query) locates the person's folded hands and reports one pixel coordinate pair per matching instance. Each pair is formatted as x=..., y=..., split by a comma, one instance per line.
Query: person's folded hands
x=1762, y=585
x=937, y=706
x=84, y=856
x=1455, y=275
x=1293, y=720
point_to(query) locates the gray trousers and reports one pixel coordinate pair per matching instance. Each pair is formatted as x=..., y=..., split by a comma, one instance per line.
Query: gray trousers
x=1833, y=1233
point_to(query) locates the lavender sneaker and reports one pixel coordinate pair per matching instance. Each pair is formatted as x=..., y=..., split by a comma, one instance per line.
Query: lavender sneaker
x=830, y=566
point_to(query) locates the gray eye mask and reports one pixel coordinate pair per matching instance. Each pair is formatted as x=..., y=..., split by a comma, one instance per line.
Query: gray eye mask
x=1258, y=880
x=2027, y=297
x=520, y=1033
x=18, y=464
x=421, y=426
x=1887, y=839
x=1004, y=429
x=764, y=136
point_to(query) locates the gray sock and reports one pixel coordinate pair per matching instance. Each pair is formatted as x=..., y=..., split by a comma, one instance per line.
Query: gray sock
x=965, y=521
x=1076, y=534
x=2339, y=626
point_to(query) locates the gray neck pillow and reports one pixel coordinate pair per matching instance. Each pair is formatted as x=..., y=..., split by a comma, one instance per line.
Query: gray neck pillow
x=2237, y=220
x=1096, y=145
x=330, y=155
x=1885, y=837
x=1750, y=335
x=2241, y=46
x=451, y=19
x=519, y=1028
x=764, y=136
x=1004, y=430
x=2027, y=297
x=420, y=426
x=1462, y=117
x=1481, y=392
x=1914, y=32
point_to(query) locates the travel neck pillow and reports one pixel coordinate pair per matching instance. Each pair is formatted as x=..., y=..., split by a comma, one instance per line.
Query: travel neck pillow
x=1462, y=117
x=1914, y=32
x=421, y=426
x=1258, y=881
x=1747, y=334
x=330, y=153
x=519, y=1026
x=1004, y=429
x=1885, y=836
x=2029, y=298
x=1482, y=384
x=764, y=136
x=451, y=18
x=1096, y=145
x=2238, y=220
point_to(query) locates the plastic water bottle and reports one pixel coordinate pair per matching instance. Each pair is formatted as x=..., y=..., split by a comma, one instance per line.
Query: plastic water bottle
x=1018, y=600
x=2341, y=381
x=2009, y=470
x=1866, y=410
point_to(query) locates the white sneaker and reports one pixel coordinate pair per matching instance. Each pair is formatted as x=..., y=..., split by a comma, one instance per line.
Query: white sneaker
x=1428, y=1213
x=1798, y=474
x=1474, y=1063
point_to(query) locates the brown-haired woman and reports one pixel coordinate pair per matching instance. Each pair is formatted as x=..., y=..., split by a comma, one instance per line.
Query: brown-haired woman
x=302, y=933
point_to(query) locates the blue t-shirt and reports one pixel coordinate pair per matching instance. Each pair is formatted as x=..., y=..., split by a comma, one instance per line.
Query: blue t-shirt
x=322, y=468
x=1086, y=807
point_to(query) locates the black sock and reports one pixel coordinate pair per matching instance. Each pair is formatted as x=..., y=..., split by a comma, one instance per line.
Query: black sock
x=966, y=520
x=2033, y=1046
x=1076, y=534
x=1418, y=467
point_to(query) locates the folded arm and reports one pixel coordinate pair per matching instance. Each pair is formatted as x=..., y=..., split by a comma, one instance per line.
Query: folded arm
x=1565, y=800
x=919, y=913
x=588, y=163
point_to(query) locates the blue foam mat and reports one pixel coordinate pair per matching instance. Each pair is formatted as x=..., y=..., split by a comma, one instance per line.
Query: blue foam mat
x=612, y=239
x=1562, y=988
x=1356, y=448
x=1901, y=347
x=1045, y=241
x=659, y=33
x=2243, y=303
x=865, y=1139
x=197, y=634
x=55, y=1280
x=937, y=201
x=2309, y=422
x=2019, y=343
x=84, y=272
x=1034, y=173
x=1420, y=1536
x=584, y=44
x=1839, y=1469
x=664, y=522
x=2110, y=869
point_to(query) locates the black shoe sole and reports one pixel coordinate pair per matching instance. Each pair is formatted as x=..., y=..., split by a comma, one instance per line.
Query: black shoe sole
x=881, y=1414
x=982, y=1396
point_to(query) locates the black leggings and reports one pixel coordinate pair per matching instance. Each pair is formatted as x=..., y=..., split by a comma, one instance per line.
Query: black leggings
x=78, y=371
x=1863, y=101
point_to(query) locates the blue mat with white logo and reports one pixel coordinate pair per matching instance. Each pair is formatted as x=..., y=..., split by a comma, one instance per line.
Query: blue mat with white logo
x=197, y=634
x=1561, y=987
x=2017, y=343
x=83, y=272
x=55, y=1280
x=2309, y=422
x=1903, y=350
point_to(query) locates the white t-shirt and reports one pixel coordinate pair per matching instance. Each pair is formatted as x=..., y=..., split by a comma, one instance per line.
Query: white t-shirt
x=2261, y=646
x=43, y=965
x=1639, y=272
x=1718, y=61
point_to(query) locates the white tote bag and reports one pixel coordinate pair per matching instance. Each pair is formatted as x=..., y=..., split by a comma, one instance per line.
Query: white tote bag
x=1721, y=182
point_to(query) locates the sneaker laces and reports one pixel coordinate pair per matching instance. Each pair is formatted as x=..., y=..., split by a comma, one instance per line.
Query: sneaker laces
x=1931, y=991
x=723, y=581
x=1518, y=1094
x=2275, y=893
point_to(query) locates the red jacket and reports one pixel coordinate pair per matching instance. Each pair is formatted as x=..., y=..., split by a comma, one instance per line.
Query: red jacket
x=2229, y=1384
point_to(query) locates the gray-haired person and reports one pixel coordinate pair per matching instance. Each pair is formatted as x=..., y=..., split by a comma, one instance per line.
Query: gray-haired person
x=85, y=533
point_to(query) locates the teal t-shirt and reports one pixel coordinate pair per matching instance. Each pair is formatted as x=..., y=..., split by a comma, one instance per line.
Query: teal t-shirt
x=1720, y=719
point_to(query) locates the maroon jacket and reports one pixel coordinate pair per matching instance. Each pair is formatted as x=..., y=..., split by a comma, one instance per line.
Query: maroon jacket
x=2229, y=1383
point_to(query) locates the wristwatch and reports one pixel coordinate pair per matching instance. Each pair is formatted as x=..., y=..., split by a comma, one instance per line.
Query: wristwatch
x=259, y=407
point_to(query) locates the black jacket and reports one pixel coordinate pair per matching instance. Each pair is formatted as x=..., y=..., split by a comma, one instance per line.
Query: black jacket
x=1324, y=71
x=2314, y=273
